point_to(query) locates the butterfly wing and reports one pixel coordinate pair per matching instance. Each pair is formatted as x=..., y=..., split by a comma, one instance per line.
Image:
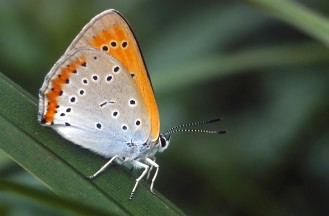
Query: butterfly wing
x=110, y=32
x=90, y=99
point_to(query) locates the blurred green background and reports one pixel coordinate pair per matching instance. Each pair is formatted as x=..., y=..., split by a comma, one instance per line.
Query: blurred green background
x=264, y=72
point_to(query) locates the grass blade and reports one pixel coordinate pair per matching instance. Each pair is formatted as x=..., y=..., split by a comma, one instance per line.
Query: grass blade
x=203, y=70
x=298, y=15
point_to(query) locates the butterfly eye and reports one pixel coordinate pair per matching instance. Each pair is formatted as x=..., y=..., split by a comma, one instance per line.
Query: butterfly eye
x=163, y=142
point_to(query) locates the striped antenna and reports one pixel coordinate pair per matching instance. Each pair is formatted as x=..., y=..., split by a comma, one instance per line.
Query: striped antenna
x=181, y=128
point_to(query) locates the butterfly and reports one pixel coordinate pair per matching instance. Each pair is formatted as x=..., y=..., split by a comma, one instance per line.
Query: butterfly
x=99, y=95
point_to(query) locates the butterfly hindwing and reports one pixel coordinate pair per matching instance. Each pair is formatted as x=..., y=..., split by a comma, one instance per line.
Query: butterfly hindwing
x=84, y=100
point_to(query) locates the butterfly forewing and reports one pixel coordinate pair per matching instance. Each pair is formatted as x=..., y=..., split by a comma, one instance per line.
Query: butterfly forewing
x=110, y=32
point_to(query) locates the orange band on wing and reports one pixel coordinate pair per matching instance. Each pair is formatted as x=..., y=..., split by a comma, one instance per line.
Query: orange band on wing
x=56, y=89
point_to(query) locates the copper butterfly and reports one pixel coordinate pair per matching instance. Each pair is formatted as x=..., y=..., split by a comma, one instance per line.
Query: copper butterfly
x=99, y=95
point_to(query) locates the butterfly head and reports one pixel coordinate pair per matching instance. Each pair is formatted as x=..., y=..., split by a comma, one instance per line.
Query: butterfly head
x=164, y=140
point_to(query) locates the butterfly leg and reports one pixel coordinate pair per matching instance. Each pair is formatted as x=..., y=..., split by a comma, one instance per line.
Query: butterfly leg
x=138, y=165
x=149, y=172
x=103, y=167
x=153, y=164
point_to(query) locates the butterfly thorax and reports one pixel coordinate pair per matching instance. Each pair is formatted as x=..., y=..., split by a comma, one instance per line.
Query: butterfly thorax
x=150, y=148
